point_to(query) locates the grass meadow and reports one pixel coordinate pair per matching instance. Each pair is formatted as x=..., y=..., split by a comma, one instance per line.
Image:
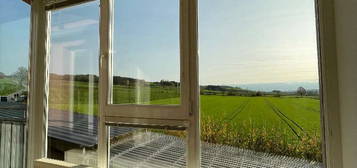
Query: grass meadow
x=8, y=86
x=287, y=126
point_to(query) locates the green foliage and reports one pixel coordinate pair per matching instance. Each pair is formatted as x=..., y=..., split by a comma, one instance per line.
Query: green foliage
x=7, y=86
x=20, y=76
x=301, y=91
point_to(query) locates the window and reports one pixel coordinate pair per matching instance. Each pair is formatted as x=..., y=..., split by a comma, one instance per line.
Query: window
x=14, y=49
x=259, y=83
x=123, y=82
x=137, y=88
x=73, y=84
x=81, y=111
x=146, y=52
x=148, y=147
x=146, y=78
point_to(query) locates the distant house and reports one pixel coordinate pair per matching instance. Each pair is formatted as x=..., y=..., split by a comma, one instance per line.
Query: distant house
x=14, y=97
x=3, y=99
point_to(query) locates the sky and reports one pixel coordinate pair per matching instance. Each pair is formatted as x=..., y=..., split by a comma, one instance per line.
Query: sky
x=14, y=35
x=240, y=41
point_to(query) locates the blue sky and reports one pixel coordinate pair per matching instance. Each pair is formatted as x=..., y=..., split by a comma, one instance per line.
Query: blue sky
x=255, y=41
x=14, y=35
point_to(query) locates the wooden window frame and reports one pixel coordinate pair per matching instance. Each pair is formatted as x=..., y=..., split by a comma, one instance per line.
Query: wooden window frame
x=38, y=80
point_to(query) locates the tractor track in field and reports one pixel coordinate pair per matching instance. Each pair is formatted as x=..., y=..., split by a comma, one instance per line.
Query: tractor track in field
x=285, y=118
x=236, y=112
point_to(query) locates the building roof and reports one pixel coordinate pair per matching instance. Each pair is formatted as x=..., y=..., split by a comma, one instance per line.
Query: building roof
x=12, y=112
x=80, y=129
x=76, y=128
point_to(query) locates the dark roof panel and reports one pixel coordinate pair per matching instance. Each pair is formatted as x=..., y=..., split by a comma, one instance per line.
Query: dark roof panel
x=76, y=128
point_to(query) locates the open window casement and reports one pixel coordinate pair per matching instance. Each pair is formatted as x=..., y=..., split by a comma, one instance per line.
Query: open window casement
x=133, y=109
x=183, y=115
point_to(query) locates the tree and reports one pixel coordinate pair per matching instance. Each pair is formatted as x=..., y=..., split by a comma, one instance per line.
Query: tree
x=277, y=93
x=20, y=76
x=258, y=93
x=301, y=91
x=2, y=75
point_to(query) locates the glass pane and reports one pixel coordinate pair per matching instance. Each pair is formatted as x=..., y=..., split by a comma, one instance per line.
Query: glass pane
x=146, y=55
x=147, y=147
x=14, y=60
x=73, y=84
x=259, y=84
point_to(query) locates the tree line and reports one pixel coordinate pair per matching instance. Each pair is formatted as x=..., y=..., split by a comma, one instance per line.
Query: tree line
x=117, y=80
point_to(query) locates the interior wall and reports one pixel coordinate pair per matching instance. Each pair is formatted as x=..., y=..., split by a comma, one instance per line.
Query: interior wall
x=346, y=42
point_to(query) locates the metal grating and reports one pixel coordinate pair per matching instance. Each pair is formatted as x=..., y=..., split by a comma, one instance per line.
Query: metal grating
x=157, y=150
x=76, y=128
x=148, y=150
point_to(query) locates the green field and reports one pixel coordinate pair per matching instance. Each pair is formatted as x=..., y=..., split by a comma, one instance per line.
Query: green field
x=281, y=125
x=295, y=116
x=8, y=86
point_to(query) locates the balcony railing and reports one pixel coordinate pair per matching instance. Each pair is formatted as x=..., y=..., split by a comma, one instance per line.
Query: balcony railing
x=12, y=135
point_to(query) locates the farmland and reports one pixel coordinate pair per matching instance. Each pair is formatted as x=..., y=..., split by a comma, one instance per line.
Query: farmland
x=8, y=86
x=285, y=125
x=281, y=125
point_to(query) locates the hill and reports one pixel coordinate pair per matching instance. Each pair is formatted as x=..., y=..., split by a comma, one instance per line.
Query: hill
x=287, y=86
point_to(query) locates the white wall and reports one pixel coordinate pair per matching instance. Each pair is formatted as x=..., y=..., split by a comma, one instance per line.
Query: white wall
x=346, y=39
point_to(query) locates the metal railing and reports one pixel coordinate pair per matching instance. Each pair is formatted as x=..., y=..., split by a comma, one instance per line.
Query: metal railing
x=12, y=144
x=13, y=135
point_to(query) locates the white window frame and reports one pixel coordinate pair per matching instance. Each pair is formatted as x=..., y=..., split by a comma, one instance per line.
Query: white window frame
x=174, y=112
x=185, y=114
x=38, y=80
x=329, y=91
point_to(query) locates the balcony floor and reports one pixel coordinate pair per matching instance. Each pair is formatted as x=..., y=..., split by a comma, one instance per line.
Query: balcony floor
x=149, y=149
